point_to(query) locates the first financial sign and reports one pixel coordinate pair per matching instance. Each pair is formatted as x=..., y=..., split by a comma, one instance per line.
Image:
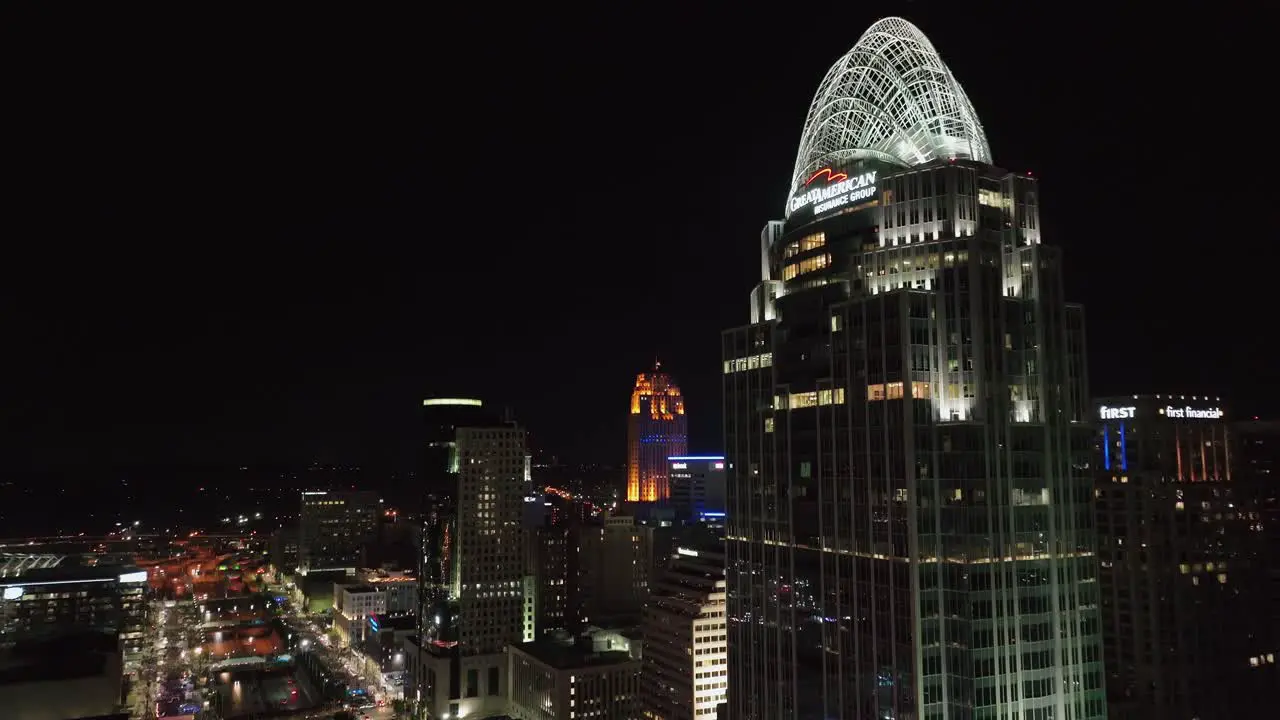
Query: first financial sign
x=1187, y=412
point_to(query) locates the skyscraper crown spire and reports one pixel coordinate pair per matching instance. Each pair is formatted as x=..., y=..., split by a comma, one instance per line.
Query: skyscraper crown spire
x=890, y=98
x=928, y=507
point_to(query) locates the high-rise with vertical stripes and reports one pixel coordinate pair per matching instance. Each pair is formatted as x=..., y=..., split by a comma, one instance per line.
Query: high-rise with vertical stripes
x=1186, y=628
x=907, y=426
x=656, y=430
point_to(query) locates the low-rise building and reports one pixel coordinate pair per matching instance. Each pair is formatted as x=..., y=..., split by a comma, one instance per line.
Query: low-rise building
x=352, y=606
x=400, y=587
x=550, y=679
x=384, y=645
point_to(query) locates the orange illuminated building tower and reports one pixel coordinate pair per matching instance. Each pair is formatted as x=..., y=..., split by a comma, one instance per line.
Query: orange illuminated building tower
x=656, y=430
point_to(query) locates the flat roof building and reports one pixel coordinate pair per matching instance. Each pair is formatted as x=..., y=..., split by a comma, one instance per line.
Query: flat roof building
x=697, y=488
x=1183, y=581
x=685, y=646
x=554, y=680
x=52, y=601
x=335, y=528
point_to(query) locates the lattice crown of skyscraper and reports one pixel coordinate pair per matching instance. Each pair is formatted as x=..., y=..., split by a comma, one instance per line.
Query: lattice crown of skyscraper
x=890, y=98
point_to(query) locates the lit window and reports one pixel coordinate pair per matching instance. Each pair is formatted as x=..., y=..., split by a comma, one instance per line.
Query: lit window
x=807, y=265
x=990, y=198
x=813, y=242
x=803, y=400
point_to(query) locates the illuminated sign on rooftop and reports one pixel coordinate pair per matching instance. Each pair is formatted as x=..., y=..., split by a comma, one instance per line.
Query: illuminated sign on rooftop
x=1189, y=412
x=1117, y=413
x=839, y=190
x=1185, y=412
x=463, y=402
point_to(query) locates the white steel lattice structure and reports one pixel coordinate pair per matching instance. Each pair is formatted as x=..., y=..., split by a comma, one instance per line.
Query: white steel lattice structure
x=890, y=98
x=14, y=564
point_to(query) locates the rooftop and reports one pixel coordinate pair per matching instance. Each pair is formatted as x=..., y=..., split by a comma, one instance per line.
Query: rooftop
x=1164, y=396
x=565, y=656
x=395, y=622
x=19, y=563
x=383, y=576
x=67, y=573
x=66, y=657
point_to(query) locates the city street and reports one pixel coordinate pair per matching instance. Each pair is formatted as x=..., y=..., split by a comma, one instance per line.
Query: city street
x=382, y=713
x=166, y=659
x=173, y=663
x=312, y=637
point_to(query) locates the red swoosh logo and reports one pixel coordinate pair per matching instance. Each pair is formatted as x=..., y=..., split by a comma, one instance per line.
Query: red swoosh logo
x=831, y=177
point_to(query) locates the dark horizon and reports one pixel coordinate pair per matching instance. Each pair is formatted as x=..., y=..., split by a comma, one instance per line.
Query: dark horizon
x=266, y=245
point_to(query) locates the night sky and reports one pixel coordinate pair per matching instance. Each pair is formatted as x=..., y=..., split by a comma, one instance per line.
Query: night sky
x=248, y=240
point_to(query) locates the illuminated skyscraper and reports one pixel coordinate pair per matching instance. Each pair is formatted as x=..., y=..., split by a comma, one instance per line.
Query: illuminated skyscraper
x=473, y=569
x=438, y=493
x=909, y=527
x=656, y=430
x=1183, y=579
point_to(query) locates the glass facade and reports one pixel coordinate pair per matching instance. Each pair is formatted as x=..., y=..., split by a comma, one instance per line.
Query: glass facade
x=910, y=530
x=1183, y=571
